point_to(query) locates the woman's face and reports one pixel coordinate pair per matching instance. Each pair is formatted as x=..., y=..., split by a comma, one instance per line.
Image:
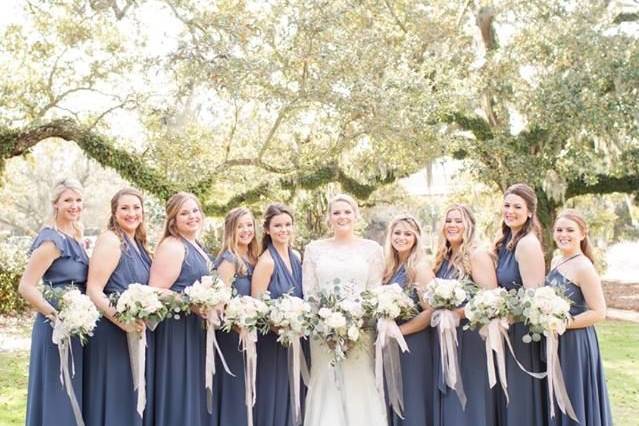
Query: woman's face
x=342, y=217
x=69, y=206
x=189, y=218
x=403, y=238
x=567, y=235
x=515, y=212
x=129, y=214
x=280, y=228
x=454, y=227
x=245, y=230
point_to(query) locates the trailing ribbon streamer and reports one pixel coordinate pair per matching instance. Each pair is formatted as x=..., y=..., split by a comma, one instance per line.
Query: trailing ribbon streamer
x=212, y=323
x=446, y=322
x=494, y=334
x=297, y=368
x=60, y=338
x=248, y=340
x=387, y=364
x=137, y=356
x=556, y=379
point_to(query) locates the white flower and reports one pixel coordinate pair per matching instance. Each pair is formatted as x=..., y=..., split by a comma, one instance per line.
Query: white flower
x=336, y=320
x=353, y=333
x=324, y=312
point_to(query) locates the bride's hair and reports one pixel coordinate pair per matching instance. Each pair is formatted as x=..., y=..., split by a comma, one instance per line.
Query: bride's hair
x=343, y=198
x=417, y=254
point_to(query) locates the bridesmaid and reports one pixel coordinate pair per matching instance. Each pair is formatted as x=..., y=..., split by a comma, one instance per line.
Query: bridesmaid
x=578, y=347
x=120, y=258
x=520, y=263
x=58, y=258
x=278, y=270
x=407, y=266
x=179, y=394
x=234, y=265
x=458, y=257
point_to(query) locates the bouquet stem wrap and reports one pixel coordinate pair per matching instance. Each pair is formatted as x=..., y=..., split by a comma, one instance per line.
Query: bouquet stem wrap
x=137, y=356
x=297, y=369
x=213, y=321
x=63, y=341
x=494, y=333
x=248, y=340
x=387, y=364
x=446, y=322
x=556, y=379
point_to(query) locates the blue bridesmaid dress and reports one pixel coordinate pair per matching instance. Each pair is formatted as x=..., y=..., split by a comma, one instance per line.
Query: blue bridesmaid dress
x=481, y=403
x=581, y=366
x=528, y=396
x=273, y=405
x=417, y=371
x=47, y=398
x=109, y=396
x=228, y=392
x=179, y=392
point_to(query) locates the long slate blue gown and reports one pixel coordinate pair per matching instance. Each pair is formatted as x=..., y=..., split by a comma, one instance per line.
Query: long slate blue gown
x=179, y=392
x=272, y=406
x=417, y=371
x=581, y=366
x=47, y=399
x=228, y=392
x=528, y=396
x=481, y=404
x=108, y=384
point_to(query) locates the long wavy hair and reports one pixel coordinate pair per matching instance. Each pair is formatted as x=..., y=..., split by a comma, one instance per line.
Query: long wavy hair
x=532, y=222
x=273, y=210
x=460, y=258
x=230, y=243
x=575, y=216
x=173, y=206
x=417, y=254
x=140, y=232
x=61, y=186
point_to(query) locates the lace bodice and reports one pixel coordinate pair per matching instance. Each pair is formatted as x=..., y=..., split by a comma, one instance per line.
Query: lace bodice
x=361, y=262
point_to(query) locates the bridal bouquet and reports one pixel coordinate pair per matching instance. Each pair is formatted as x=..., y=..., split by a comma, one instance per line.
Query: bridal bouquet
x=339, y=318
x=248, y=315
x=77, y=316
x=387, y=304
x=546, y=310
x=444, y=296
x=210, y=295
x=139, y=302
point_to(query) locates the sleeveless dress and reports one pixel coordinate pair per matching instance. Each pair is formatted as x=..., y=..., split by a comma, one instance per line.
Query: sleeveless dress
x=481, y=403
x=272, y=407
x=417, y=371
x=355, y=402
x=179, y=392
x=47, y=399
x=581, y=366
x=528, y=396
x=109, y=397
x=228, y=391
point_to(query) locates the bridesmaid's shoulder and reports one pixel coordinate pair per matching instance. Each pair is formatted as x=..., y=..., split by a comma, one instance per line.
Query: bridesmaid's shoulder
x=529, y=244
x=171, y=245
x=266, y=258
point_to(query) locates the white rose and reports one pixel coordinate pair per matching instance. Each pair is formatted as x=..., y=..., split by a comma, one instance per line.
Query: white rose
x=336, y=320
x=353, y=333
x=324, y=312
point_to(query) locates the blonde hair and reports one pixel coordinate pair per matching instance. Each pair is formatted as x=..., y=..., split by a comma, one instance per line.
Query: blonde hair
x=230, y=242
x=61, y=186
x=343, y=198
x=575, y=216
x=416, y=256
x=173, y=206
x=460, y=259
x=532, y=222
x=140, y=231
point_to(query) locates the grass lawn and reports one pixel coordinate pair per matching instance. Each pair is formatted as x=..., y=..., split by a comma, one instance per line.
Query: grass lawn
x=619, y=345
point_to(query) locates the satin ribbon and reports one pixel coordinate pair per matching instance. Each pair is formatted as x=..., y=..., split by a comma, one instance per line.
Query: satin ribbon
x=297, y=369
x=60, y=338
x=387, y=364
x=446, y=322
x=248, y=340
x=494, y=334
x=213, y=321
x=137, y=356
x=556, y=385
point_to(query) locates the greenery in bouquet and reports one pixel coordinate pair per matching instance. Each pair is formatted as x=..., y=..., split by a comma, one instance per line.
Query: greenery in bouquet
x=76, y=313
x=389, y=302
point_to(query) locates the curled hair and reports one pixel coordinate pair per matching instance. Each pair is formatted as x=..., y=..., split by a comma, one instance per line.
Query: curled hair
x=173, y=206
x=230, y=243
x=343, y=198
x=460, y=258
x=273, y=210
x=140, y=232
x=575, y=216
x=61, y=186
x=416, y=256
x=532, y=222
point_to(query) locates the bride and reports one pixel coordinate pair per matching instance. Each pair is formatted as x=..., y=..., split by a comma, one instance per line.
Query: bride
x=355, y=400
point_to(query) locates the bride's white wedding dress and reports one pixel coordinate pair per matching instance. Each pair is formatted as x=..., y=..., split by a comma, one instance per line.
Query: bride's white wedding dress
x=355, y=400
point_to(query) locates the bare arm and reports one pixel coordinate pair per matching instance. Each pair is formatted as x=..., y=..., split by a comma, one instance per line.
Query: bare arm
x=167, y=263
x=40, y=260
x=530, y=257
x=422, y=320
x=226, y=271
x=262, y=274
x=483, y=269
x=590, y=285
